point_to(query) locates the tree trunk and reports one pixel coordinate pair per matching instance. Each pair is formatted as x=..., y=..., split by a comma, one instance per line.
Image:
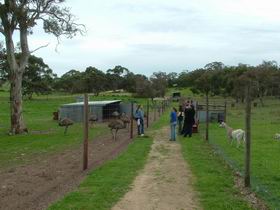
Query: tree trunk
x=247, y=179
x=16, y=67
x=17, y=123
x=207, y=118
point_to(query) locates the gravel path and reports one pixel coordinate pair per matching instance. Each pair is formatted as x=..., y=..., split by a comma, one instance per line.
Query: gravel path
x=165, y=183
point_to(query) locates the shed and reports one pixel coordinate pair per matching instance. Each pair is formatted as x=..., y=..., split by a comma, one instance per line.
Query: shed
x=101, y=109
x=176, y=96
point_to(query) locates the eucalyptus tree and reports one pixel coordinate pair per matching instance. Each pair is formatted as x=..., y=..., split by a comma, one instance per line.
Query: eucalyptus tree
x=19, y=17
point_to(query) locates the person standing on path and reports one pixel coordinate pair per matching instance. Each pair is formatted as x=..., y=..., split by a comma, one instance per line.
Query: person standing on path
x=189, y=120
x=180, y=118
x=139, y=117
x=173, y=123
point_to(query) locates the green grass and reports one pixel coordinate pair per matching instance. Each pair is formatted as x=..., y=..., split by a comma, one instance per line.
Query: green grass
x=213, y=179
x=107, y=184
x=265, y=150
x=37, y=114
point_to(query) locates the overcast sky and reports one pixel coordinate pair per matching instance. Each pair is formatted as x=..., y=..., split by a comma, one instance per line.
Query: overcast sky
x=164, y=35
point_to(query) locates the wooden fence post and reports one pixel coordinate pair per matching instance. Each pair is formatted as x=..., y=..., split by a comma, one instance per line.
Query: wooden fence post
x=225, y=117
x=85, y=156
x=132, y=120
x=207, y=118
x=247, y=179
x=148, y=113
x=155, y=111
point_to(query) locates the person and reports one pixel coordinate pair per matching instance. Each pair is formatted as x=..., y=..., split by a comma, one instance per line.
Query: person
x=139, y=117
x=173, y=122
x=180, y=118
x=189, y=120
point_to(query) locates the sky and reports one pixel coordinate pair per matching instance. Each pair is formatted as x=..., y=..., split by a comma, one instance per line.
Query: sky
x=146, y=36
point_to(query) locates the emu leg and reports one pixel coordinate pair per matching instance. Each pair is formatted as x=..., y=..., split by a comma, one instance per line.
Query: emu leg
x=116, y=134
x=112, y=134
x=65, y=130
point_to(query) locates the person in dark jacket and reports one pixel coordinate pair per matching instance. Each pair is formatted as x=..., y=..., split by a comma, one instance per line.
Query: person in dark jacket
x=189, y=120
x=180, y=118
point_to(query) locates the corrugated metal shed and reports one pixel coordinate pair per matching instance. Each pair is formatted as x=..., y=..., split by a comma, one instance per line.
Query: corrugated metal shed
x=99, y=109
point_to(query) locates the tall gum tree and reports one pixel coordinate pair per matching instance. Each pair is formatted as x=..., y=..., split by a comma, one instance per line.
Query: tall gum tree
x=21, y=16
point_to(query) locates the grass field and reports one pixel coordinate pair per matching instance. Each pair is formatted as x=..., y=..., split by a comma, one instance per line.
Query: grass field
x=107, y=184
x=45, y=136
x=213, y=179
x=265, y=150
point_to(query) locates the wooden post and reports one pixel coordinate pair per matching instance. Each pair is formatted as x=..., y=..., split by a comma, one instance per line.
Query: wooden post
x=85, y=156
x=132, y=120
x=148, y=113
x=155, y=111
x=225, y=117
x=207, y=118
x=247, y=179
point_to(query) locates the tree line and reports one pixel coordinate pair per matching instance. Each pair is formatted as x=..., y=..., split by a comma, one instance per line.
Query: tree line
x=39, y=78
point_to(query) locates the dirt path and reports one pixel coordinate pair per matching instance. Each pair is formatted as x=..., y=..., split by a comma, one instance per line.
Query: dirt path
x=164, y=183
x=35, y=186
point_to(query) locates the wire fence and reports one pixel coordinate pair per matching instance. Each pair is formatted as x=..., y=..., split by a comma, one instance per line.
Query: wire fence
x=265, y=164
x=41, y=116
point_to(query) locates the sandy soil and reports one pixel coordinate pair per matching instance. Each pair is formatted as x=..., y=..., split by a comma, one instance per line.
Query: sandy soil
x=165, y=183
x=35, y=186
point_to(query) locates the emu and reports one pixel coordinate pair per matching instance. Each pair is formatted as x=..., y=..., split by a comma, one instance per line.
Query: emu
x=118, y=123
x=237, y=134
x=66, y=122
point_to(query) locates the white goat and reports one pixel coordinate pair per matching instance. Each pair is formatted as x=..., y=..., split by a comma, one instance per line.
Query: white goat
x=237, y=134
x=277, y=136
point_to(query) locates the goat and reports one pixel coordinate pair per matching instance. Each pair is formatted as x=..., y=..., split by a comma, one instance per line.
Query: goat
x=237, y=134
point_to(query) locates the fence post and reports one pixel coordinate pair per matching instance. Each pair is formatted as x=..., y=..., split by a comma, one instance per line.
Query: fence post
x=247, y=179
x=148, y=113
x=132, y=119
x=155, y=111
x=207, y=118
x=85, y=156
x=225, y=117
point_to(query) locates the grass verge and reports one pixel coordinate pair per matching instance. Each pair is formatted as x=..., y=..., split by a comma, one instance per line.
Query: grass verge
x=214, y=180
x=107, y=184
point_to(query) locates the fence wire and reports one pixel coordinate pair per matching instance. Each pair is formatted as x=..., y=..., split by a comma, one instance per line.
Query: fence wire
x=265, y=163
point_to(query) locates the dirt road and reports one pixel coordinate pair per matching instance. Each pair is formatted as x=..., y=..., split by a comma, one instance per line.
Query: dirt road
x=35, y=186
x=165, y=183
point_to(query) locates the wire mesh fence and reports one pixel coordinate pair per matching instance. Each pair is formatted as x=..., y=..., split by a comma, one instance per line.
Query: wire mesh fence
x=41, y=115
x=265, y=164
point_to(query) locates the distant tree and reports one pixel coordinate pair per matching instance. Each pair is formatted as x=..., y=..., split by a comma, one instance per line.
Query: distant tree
x=187, y=78
x=264, y=74
x=214, y=66
x=159, y=83
x=38, y=78
x=115, y=76
x=3, y=65
x=129, y=82
x=172, y=79
x=22, y=16
x=94, y=80
x=70, y=82
x=144, y=87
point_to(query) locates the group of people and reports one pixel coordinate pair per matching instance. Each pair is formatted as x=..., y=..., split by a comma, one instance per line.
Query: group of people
x=184, y=118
